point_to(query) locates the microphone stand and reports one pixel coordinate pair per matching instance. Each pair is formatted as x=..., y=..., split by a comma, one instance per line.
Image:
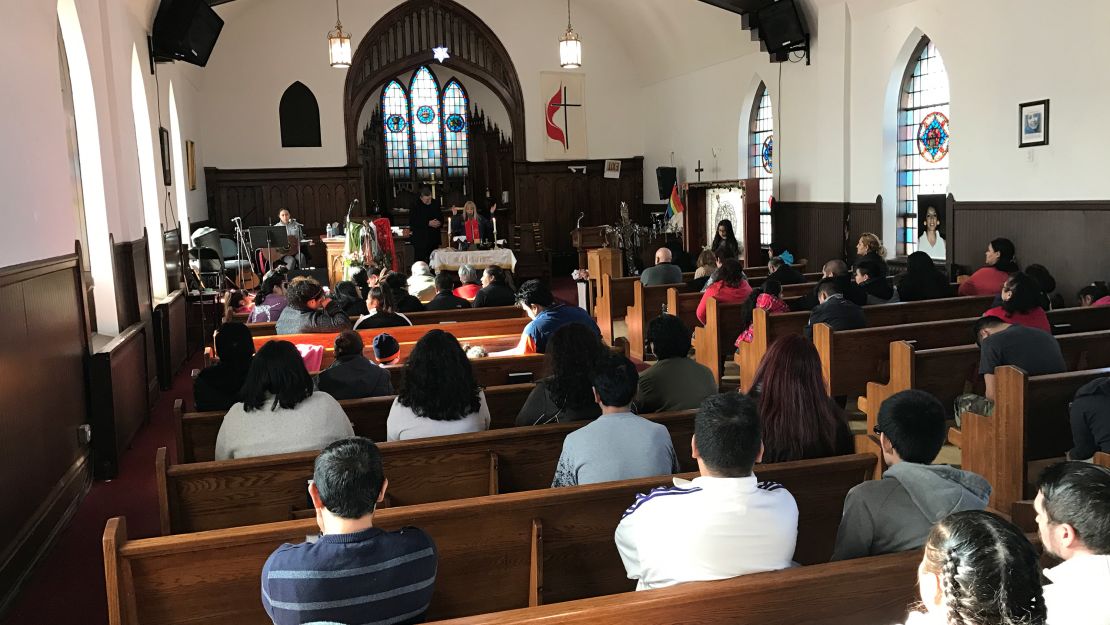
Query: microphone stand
x=240, y=248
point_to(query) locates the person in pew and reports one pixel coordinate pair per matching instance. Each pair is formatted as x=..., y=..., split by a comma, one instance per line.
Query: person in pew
x=978, y=570
x=270, y=299
x=495, y=289
x=438, y=395
x=730, y=287
x=1048, y=298
x=726, y=237
x=1093, y=295
x=349, y=299
x=707, y=264
x=280, y=413
x=352, y=375
x=1089, y=414
x=1021, y=303
x=675, y=381
x=724, y=523
x=421, y=284
x=310, y=310
x=547, y=316
x=922, y=280
x=566, y=394
x=720, y=255
x=800, y=420
x=834, y=309
x=870, y=248
x=217, y=387
x=896, y=513
x=237, y=303
x=387, y=350
x=364, y=278
x=444, y=298
x=618, y=445
x=780, y=271
x=383, y=312
x=402, y=299
x=776, y=249
x=868, y=275
x=999, y=265
x=1073, y=521
x=1035, y=351
x=354, y=572
x=768, y=297
x=470, y=278
x=838, y=270
x=664, y=271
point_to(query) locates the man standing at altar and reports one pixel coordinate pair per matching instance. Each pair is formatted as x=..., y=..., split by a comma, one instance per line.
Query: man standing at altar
x=425, y=221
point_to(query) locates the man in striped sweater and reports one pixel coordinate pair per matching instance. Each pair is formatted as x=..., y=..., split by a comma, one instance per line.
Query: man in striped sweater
x=354, y=572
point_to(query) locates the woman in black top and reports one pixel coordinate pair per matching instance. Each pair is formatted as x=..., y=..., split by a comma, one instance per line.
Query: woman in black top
x=495, y=289
x=348, y=298
x=922, y=280
x=870, y=248
x=566, y=394
x=382, y=312
x=403, y=301
x=217, y=387
x=726, y=237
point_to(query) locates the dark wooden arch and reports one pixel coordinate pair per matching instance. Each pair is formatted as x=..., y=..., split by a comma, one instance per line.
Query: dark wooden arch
x=402, y=41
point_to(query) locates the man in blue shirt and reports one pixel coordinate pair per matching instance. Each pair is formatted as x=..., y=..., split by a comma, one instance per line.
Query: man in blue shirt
x=547, y=317
x=354, y=573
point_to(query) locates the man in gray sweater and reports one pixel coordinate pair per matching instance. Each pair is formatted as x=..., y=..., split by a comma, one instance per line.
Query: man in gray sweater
x=664, y=271
x=618, y=445
x=897, y=512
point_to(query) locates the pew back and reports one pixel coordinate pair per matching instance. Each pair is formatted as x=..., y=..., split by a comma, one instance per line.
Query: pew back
x=426, y=317
x=647, y=304
x=684, y=306
x=408, y=334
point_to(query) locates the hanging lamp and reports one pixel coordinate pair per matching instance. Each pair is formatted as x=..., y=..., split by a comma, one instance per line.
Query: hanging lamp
x=570, y=46
x=339, y=43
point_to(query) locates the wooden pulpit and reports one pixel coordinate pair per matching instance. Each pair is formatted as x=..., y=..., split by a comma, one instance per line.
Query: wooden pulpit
x=586, y=239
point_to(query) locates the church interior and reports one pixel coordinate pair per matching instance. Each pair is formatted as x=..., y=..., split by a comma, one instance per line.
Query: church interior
x=148, y=149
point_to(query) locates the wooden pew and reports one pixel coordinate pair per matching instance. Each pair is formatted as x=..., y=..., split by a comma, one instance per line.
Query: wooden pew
x=403, y=334
x=1102, y=459
x=498, y=552
x=1029, y=424
x=614, y=296
x=717, y=338
x=425, y=317
x=230, y=493
x=684, y=306
x=866, y=591
x=647, y=304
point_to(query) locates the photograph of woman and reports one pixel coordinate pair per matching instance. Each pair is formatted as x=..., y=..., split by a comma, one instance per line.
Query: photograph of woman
x=932, y=238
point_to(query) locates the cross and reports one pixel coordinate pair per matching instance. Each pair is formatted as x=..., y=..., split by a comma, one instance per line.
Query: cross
x=699, y=170
x=566, y=120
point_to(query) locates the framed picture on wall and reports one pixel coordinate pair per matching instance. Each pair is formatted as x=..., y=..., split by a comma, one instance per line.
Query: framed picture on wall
x=931, y=228
x=1033, y=123
x=191, y=164
x=164, y=143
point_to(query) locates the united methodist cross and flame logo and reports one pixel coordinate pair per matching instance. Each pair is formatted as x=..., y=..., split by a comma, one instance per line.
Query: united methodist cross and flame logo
x=558, y=118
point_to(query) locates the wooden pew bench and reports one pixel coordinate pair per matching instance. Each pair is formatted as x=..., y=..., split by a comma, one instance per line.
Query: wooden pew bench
x=462, y=331
x=498, y=552
x=614, y=296
x=684, y=306
x=230, y=493
x=425, y=317
x=647, y=303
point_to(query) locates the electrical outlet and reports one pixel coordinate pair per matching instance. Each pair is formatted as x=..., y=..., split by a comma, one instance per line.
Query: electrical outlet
x=84, y=434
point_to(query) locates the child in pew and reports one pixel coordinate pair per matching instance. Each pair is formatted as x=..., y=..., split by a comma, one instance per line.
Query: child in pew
x=730, y=287
x=722, y=524
x=1073, y=520
x=1089, y=414
x=310, y=309
x=618, y=445
x=270, y=299
x=217, y=387
x=280, y=412
x=1021, y=303
x=566, y=394
x=768, y=297
x=896, y=513
x=1093, y=295
x=352, y=375
x=354, y=572
x=979, y=570
x=675, y=381
x=834, y=309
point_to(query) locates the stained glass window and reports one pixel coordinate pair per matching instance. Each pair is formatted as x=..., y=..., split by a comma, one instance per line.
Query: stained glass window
x=761, y=158
x=395, y=116
x=924, y=137
x=427, y=140
x=455, y=128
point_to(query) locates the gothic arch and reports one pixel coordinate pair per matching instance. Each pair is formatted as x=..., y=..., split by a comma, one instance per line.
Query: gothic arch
x=299, y=117
x=402, y=40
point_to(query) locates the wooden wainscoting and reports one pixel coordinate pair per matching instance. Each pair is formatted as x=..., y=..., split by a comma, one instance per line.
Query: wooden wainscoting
x=44, y=467
x=315, y=196
x=170, y=342
x=820, y=231
x=134, y=301
x=118, y=406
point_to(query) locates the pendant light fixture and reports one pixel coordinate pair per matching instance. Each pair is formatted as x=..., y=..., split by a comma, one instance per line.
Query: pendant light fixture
x=570, y=46
x=339, y=43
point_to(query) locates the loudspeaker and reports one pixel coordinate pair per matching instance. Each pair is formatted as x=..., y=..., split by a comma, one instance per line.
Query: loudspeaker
x=665, y=177
x=319, y=273
x=781, y=27
x=185, y=30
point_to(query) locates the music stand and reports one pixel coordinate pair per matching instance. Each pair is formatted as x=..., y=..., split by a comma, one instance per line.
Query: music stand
x=269, y=236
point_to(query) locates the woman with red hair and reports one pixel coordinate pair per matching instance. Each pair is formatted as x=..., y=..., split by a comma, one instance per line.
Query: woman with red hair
x=800, y=420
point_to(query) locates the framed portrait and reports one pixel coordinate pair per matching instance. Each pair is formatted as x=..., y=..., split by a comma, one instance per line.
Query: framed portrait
x=931, y=226
x=191, y=164
x=164, y=143
x=1033, y=123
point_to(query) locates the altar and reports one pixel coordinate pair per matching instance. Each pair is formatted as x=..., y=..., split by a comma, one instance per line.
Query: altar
x=450, y=260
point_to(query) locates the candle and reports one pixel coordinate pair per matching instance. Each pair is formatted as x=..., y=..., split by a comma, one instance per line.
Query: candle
x=495, y=232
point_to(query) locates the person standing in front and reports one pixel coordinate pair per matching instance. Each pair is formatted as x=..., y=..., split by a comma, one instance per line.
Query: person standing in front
x=425, y=220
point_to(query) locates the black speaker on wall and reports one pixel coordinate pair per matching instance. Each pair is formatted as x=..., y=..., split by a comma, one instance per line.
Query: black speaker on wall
x=185, y=30
x=781, y=27
x=666, y=178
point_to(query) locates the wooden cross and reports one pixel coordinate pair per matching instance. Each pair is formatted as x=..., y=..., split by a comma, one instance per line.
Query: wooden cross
x=699, y=170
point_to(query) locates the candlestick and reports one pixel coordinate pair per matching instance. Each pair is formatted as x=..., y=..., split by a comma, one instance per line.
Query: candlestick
x=494, y=233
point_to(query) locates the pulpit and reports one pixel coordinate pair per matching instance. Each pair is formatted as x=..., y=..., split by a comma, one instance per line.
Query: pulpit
x=585, y=239
x=707, y=203
x=334, y=247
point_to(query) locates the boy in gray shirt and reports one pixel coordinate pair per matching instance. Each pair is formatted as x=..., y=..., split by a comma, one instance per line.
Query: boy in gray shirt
x=618, y=445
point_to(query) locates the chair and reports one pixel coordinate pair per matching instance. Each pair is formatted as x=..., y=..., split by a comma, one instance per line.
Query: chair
x=533, y=258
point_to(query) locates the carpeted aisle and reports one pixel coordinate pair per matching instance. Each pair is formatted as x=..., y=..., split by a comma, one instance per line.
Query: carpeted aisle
x=67, y=587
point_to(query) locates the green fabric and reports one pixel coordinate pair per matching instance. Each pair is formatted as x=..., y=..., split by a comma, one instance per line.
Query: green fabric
x=674, y=384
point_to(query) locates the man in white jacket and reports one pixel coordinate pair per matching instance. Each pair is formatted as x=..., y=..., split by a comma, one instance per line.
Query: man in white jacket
x=1073, y=519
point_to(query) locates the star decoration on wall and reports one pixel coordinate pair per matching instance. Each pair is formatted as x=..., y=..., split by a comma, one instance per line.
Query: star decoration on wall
x=440, y=53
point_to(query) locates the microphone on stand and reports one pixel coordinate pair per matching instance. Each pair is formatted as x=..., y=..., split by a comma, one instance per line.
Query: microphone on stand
x=350, y=208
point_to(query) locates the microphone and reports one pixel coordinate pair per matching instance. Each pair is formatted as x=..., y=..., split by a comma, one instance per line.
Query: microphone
x=236, y=219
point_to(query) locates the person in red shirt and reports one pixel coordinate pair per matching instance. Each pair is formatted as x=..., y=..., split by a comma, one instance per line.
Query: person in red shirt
x=469, y=277
x=1000, y=264
x=1093, y=295
x=1021, y=297
x=729, y=288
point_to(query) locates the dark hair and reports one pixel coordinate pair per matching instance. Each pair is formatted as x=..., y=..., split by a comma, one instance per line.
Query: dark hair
x=669, y=336
x=535, y=292
x=985, y=323
x=349, y=477
x=913, y=422
x=425, y=191
x=747, y=311
x=615, y=379
x=829, y=287
x=437, y=381
x=1006, y=253
x=277, y=369
x=727, y=433
x=384, y=297
x=1042, y=276
x=235, y=299
x=347, y=291
x=444, y=281
x=729, y=240
x=772, y=287
x=989, y=573
x=361, y=278
x=348, y=343
x=272, y=280
x=836, y=267
x=301, y=291
x=799, y=418
x=869, y=269
x=1025, y=293
x=397, y=282
x=234, y=344
x=723, y=253
x=1094, y=291
x=731, y=273
x=1078, y=493
x=571, y=354
x=496, y=274
x=776, y=249
x=775, y=263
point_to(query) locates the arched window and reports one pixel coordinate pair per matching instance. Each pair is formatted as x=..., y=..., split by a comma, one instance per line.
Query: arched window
x=177, y=146
x=300, y=117
x=761, y=153
x=924, y=137
x=148, y=178
x=426, y=129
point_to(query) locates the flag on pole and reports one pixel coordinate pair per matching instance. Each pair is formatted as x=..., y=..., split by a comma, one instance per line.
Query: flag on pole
x=674, y=205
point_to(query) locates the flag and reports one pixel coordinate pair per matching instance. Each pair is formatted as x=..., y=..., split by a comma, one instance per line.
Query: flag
x=674, y=205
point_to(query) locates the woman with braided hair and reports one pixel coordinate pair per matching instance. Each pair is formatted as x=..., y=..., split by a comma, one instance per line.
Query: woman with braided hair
x=978, y=570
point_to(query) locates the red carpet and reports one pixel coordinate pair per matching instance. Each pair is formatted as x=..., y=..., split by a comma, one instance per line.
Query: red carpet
x=67, y=587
